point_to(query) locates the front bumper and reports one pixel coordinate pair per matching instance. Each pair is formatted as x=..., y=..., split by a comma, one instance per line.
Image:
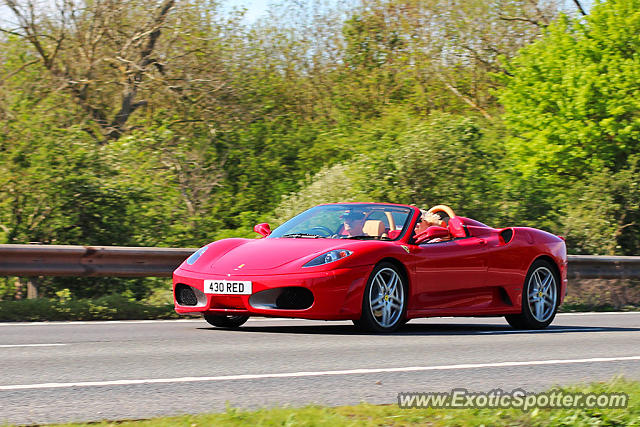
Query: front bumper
x=337, y=294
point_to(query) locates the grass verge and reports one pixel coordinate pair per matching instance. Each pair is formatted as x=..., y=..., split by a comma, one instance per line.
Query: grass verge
x=392, y=415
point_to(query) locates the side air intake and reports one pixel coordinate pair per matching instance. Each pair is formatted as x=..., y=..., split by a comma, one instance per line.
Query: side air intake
x=507, y=235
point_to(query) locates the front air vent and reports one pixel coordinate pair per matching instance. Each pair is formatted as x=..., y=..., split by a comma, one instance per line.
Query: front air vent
x=189, y=296
x=185, y=295
x=289, y=298
x=294, y=299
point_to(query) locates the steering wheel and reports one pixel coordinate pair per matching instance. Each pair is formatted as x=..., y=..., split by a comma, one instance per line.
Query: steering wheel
x=442, y=208
x=322, y=229
x=455, y=225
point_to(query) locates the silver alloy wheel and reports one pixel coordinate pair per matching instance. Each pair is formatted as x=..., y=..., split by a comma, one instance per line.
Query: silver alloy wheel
x=386, y=296
x=542, y=294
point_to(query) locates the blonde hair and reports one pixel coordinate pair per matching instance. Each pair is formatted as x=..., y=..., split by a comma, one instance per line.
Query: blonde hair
x=431, y=218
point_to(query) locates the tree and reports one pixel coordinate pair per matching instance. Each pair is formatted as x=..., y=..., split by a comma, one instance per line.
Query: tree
x=79, y=44
x=573, y=96
x=440, y=55
x=604, y=218
x=571, y=103
x=114, y=58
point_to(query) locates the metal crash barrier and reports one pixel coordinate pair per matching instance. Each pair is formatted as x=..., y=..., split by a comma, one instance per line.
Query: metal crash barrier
x=90, y=261
x=603, y=267
x=119, y=261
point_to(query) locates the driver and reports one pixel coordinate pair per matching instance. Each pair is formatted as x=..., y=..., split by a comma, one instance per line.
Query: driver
x=428, y=219
x=353, y=224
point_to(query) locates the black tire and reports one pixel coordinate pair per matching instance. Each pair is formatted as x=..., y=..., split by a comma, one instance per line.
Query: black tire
x=224, y=321
x=540, y=296
x=388, y=286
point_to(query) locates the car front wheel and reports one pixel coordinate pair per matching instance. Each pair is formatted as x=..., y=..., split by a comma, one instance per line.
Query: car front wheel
x=223, y=321
x=539, y=298
x=384, y=302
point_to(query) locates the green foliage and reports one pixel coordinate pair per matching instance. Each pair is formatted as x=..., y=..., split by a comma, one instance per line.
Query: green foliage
x=263, y=165
x=107, y=307
x=604, y=218
x=62, y=193
x=330, y=185
x=571, y=102
x=447, y=160
x=574, y=95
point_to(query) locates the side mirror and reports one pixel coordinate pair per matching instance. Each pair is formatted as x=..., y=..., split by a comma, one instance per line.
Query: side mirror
x=263, y=229
x=433, y=232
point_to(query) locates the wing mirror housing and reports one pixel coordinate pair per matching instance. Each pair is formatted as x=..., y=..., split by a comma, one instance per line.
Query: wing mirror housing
x=433, y=232
x=263, y=229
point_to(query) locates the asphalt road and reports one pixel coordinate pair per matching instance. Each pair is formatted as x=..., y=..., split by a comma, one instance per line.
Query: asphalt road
x=86, y=371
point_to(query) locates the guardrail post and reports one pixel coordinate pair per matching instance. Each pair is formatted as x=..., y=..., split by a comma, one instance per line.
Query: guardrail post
x=32, y=288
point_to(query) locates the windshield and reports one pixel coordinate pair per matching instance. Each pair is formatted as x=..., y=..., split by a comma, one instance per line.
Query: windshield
x=352, y=221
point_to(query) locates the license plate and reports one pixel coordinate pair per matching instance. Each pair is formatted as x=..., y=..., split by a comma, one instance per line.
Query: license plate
x=227, y=287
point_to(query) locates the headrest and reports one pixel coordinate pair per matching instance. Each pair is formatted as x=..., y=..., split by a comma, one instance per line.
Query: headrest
x=373, y=227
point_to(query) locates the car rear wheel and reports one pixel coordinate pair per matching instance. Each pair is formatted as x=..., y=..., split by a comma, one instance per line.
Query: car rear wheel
x=223, y=321
x=539, y=298
x=384, y=302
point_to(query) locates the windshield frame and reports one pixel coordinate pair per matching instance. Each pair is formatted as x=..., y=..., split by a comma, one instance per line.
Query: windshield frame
x=286, y=227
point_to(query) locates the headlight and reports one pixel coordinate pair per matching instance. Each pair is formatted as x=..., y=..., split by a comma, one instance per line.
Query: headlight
x=194, y=257
x=330, y=256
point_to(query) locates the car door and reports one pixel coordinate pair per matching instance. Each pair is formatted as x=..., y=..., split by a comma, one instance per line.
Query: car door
x=450, y=274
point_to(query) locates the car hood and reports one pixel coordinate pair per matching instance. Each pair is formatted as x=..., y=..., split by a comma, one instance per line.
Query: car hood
x=253, y=255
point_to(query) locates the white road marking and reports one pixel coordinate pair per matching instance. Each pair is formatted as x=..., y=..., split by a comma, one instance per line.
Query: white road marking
x=316, y=373
x=30, y=345
x=537, y=331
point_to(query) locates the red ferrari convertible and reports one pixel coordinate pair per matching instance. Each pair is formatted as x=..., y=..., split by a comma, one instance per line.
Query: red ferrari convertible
x=372, y=263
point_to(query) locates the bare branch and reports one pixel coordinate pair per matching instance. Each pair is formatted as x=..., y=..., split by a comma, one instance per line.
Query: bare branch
x=13, y=33
x=523, y=19
x=18, y=70
x=579, y=6
x=467, y=100
x=135, y=72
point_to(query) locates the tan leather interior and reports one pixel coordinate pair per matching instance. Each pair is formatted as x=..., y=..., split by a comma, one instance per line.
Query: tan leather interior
x=373, y=227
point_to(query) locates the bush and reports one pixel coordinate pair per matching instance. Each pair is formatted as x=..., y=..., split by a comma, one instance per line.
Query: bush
x=109, y=307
